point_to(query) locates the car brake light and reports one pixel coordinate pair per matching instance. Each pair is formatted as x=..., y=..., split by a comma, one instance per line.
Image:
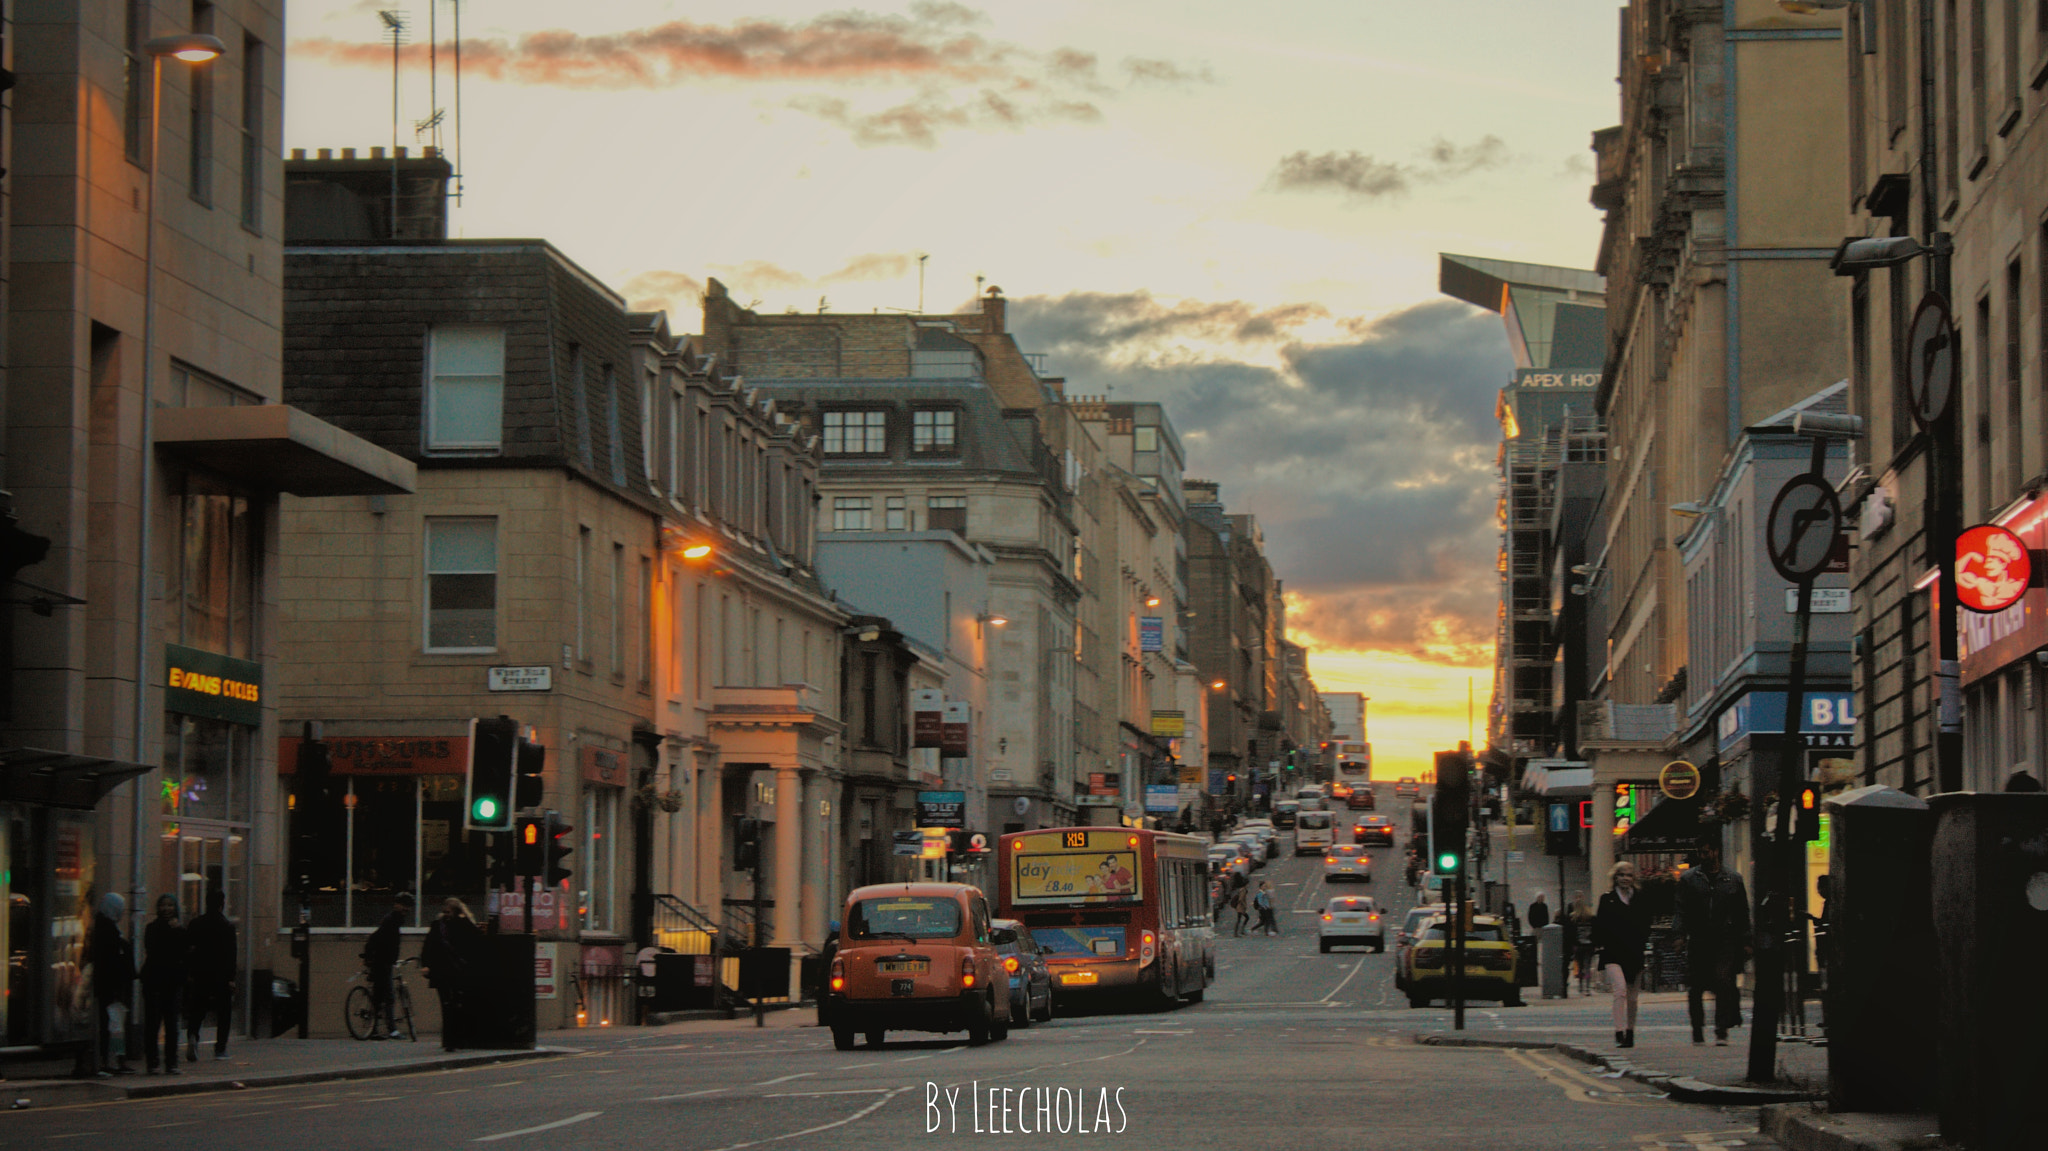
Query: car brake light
x=838, y=973
x=1375, y=917
x=967, y=971
x=1327, y=917
x=1010, y=964
x=1148, y=949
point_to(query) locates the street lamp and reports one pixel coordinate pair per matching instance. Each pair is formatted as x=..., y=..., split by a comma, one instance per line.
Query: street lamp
x=193, y=48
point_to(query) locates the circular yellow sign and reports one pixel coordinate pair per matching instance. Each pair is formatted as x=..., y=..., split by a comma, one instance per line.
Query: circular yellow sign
x=1679, y=780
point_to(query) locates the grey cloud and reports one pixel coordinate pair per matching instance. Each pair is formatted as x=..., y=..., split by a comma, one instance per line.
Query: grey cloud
x=1365, y=177
x=1142, y=70
x=1369, y=462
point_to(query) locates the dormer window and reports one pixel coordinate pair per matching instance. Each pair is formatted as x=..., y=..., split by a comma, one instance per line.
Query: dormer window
x=857, y=433
x=932, y=430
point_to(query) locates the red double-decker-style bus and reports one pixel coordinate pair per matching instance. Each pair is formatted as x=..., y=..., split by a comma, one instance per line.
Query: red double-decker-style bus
x=1120, y=913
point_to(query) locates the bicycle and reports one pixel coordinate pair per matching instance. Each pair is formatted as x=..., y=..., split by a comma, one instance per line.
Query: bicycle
x=359, y=1006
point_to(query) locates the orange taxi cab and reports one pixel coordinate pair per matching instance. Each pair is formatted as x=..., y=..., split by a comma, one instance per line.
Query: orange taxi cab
x=916, y=957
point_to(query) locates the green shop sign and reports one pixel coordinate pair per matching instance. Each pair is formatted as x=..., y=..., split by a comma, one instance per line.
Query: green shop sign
x=211, y=685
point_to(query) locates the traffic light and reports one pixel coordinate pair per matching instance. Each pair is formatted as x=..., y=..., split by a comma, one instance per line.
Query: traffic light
x=557, y=844
x=526, y=839
x=1806, y=813
x=1453, y=808
x=969, y=843
x=531, y=760
x=488, y=804
x=746, y=846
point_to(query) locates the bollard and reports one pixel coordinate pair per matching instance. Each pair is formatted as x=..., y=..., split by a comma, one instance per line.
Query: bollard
x=1551, y=960
x=1991, y=929
x=1880, y=957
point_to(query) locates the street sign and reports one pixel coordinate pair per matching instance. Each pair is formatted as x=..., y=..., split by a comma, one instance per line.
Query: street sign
x=1826, y=600
x=1993, y=568
x=1800, y=535
x=1931, y=360
x=909, y=843
x=1679, y=780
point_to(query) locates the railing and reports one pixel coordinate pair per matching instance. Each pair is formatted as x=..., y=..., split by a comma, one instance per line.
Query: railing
x=741, y=925
x=683, y=929
x=601, y=996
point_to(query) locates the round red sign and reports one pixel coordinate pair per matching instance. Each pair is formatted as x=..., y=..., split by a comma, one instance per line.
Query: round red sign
x=1993, y=568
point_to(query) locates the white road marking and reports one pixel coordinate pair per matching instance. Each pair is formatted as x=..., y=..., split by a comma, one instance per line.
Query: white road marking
x=785, y=1079
x=1147, y=1031
x=820, y=1094
x=860, y=1114
x=543, y=1127
x=913, y=1058
x=685, y=1095
x=1355, y=969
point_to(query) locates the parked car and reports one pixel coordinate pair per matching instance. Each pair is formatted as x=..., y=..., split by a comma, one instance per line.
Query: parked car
x=916, y=957
x=1489, y=969
x=1373, y=830
x=1030, y=982
x=1346, y=861
x=1349, y=919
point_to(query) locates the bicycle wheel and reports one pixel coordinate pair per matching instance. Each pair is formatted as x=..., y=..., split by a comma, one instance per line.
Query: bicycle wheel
x=404, y=1012
x=360, y=1011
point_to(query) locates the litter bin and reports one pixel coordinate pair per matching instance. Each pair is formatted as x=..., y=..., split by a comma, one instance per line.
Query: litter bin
x=1551, y=959
x=276, y=1003
x=1525, y=961
x=1990, y=929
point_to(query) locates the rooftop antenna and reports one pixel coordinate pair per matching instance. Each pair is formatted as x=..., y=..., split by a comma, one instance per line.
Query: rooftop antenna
x=394, y=27
x=921, y=258
x=456, y=5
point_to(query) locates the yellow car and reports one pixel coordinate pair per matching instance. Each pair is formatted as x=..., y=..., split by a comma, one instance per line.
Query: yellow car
x=1489, y=971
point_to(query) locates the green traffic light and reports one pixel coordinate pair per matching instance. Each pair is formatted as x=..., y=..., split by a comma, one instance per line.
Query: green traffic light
x=486, y=808
x=1447, y=862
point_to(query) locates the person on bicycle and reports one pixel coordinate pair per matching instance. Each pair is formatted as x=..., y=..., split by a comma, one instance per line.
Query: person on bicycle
x=380, y=955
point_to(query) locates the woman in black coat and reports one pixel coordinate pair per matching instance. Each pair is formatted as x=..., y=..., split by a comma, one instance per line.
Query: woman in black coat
x=447, y=956
x=1621, y=932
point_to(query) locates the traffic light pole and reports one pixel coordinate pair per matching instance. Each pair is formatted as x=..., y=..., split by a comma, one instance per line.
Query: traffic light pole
x=1777, y=864
x=1457, y=917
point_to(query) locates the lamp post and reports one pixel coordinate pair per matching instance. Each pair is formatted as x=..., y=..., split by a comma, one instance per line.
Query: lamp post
x=193, y=48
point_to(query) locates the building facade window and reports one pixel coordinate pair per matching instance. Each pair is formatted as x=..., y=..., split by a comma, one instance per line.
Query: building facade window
x=206, y=807
x=379, y=829
x=583, y=593
x=600, y=823
x=618, y=611
x=135, y=69
x=932, y=430
x=894, y=517
x=465, y=388
x=253, y=64
x=462, y=584
x=851, y=513
x=946, y=513
x=856, y=433
x=217, y=577
x=199, y=136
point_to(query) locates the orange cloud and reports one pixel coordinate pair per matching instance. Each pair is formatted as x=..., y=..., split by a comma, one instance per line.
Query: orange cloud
x=677, y=293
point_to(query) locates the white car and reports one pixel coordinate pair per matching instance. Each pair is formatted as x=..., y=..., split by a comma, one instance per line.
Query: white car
x=1346, y=861
x=1312, y=832
x=1352, y=919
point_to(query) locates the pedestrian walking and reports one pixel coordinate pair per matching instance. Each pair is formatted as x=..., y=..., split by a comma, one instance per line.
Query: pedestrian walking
x=380, y=955
x=166, y=968
x=1621, y=930
x=1264, y=902
x=1538, y=913
x=1578, y=918
x=1240, y=904
x=448, y=956
x=1712, y=922
x=212, y=990
x=113, y=975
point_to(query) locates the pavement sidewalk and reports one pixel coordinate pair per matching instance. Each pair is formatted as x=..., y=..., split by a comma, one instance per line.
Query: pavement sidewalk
x=263, y=1063
x=1664, y=1055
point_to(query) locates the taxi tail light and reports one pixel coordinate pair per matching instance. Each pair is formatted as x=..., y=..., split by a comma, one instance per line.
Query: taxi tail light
x=838, y=973
x=1148, y=950
x=1327, y=917
x=1010, y=964
x=967, y=971
x=1375, y=917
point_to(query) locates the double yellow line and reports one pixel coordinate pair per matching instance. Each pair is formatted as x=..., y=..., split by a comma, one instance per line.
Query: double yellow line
x=1577, y=1086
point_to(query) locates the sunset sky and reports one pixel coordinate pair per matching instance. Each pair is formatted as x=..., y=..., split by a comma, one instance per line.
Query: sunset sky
x=1234, y=210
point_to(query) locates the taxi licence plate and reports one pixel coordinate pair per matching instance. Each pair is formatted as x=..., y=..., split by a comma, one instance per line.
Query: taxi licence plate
x=903, y=966
x=1077, y=978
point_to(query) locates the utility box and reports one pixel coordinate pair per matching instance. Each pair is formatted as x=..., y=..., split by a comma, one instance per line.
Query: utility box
x=1552, y=960
x=1879, y=953
x=1991, y=930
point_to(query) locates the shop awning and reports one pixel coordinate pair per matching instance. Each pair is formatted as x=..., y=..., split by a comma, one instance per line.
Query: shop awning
x=1558, y=781
x=1673, y=825
x=279, y=447
x=61, y=779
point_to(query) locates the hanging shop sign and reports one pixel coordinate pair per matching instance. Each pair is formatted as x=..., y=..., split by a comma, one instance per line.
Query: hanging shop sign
x=1993, y=568
x=1679, y=780
x=956, y=732
x=927, y=717
x=603, y=765
x=212, y=686
x=1151, y=633
x=1172, y=724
